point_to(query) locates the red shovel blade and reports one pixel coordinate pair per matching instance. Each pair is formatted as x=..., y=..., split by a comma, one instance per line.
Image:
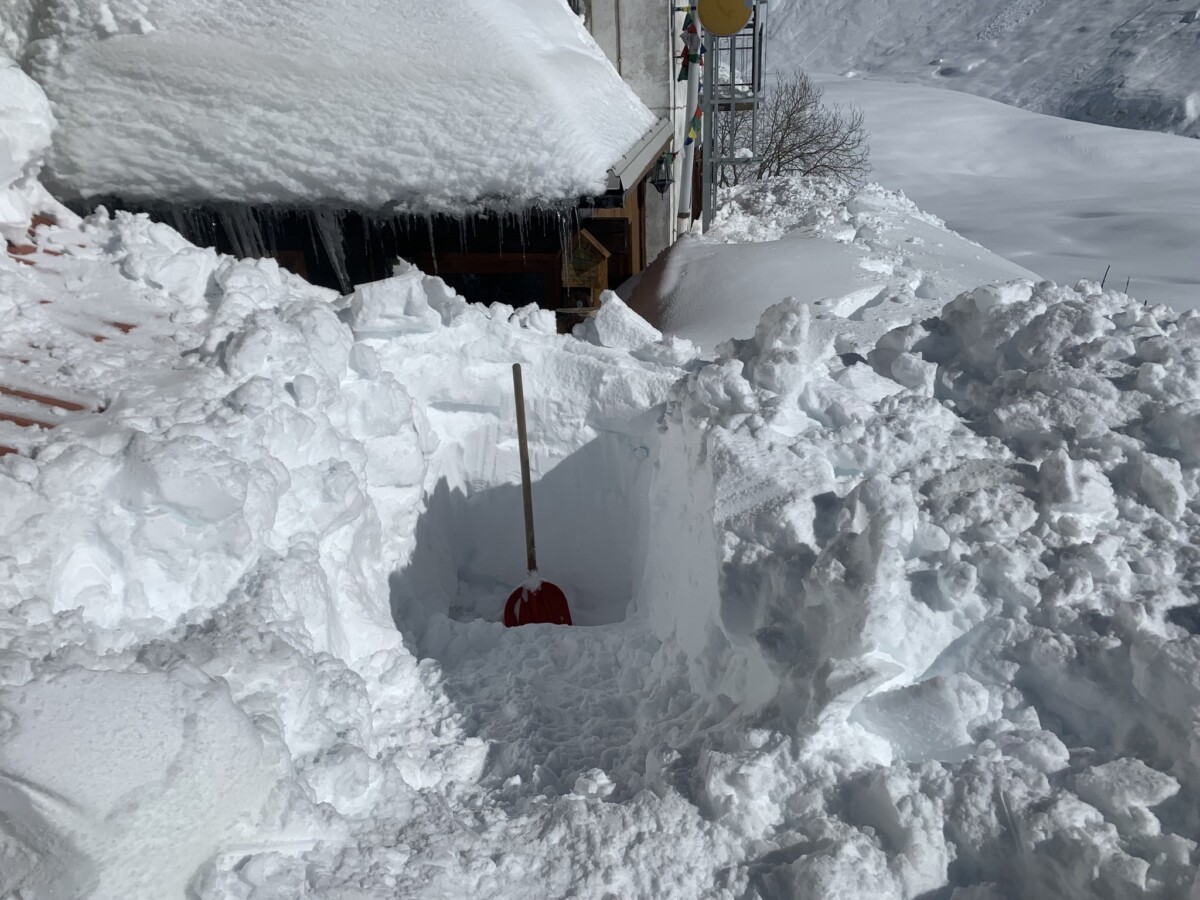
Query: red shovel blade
x=544, y=603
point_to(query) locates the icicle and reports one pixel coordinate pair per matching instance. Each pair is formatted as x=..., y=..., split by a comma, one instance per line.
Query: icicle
x=243, y=232
x=329, y=230
x=432, y=247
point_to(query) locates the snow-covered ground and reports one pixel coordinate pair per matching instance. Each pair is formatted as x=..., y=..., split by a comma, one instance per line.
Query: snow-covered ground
x=1064, y=199
x=1131, y=63
x=917, y=625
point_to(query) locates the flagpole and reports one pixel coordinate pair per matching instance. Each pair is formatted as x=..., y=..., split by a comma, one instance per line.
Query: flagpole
x=692, y=55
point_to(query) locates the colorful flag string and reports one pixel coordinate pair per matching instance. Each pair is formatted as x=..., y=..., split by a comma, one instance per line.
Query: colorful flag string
x=693, y=48
x=694, y=127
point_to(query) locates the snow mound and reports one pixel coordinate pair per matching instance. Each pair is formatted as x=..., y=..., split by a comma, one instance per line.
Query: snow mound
x=961, y=590
x=864, y=260
x=156, y=744
x=378, y=105
x=26, y=125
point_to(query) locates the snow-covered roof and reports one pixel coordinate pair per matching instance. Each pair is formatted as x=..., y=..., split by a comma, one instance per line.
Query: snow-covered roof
x=372, y=104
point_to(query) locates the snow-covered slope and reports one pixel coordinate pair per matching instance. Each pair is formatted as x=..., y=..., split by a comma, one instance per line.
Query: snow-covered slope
x=1064, y=199
x=921, y=625
x=1131, y=63
x=371, y=104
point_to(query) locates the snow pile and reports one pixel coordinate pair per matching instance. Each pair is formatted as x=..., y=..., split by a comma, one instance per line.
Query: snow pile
x=25, y=136
x=1127, y=63
x=865, y=259
x=375, y=105
x=959, y=579
x=248, y=521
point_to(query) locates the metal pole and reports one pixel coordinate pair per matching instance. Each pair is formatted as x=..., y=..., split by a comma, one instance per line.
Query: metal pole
x=683, y=220
x=708, y=165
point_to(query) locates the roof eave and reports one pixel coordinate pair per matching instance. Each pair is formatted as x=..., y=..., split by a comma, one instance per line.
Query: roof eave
x=633, y=166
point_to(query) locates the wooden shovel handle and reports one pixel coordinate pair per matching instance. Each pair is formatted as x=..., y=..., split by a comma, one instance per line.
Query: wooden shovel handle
x=526, y=485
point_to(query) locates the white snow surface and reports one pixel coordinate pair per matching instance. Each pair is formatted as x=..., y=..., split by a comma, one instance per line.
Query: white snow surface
x=920, y=625
x=1064, y=199
x=1131, y=63
x=28, y=126
x=863, y=259
x=379, y=104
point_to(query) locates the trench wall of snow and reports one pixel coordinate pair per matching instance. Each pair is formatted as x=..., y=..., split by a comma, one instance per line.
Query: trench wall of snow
x=597, y=460
x=28, y=125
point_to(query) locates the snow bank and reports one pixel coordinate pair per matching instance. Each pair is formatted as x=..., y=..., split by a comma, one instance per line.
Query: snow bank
x=26, y=125
x=966, y=591
x=135, y=798
x=376, y=105
x=865, y=260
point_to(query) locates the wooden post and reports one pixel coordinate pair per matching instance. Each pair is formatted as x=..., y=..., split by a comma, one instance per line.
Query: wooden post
x=526, y=485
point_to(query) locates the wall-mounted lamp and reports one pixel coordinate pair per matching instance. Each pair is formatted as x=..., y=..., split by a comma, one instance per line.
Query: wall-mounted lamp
x=663, y=175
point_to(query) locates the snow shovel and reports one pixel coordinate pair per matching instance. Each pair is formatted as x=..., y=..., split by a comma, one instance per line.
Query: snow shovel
x=535, y=600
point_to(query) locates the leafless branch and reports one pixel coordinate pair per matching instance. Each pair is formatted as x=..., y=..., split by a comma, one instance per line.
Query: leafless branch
x=798, y=135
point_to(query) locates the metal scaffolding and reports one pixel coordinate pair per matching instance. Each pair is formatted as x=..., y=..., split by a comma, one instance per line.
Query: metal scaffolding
x=731, y=93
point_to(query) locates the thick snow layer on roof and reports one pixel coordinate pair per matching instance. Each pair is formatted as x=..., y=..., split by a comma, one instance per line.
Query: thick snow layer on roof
x=369, y=104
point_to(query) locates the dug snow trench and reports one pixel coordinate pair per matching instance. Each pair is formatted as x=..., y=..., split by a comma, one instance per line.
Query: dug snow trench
x=624, y=525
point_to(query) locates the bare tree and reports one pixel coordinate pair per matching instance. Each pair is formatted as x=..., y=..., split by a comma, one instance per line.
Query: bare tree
x=799, y=135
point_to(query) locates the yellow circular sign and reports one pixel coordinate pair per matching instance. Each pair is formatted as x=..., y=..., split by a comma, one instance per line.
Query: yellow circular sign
x=724, y=17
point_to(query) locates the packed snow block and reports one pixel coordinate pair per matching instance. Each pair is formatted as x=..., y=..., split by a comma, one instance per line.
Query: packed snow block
x=159, y=256
x=679, y=587
x=906, y=808
x=302, y=338
x=1076, y=496
x=408, y=303
x=189, y=475
x=615, y=325
x=140, y=777
x=241, y=288
x=928, y=720
x=1176, y=430
x=838, y=868
x=184, y=499
x=1160, y=484
x=1124, y=789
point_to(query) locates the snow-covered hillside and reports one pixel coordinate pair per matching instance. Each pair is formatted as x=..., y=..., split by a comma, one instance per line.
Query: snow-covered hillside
x=1067, y=200
x=917, y=625
x=1132, y=63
